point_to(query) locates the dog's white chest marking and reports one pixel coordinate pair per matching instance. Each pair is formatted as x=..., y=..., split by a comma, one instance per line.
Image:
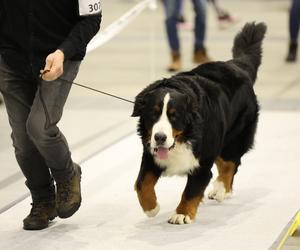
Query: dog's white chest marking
x=180, y=161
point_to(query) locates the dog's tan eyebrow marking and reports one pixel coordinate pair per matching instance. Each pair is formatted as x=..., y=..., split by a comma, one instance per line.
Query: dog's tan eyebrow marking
x=156, y=108
x=171, y=111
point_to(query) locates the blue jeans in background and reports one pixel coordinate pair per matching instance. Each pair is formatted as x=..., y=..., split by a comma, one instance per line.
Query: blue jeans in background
x=294, y=21
x=172, y=11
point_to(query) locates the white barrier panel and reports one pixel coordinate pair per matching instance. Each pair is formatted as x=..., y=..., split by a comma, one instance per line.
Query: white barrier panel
x=114, y=28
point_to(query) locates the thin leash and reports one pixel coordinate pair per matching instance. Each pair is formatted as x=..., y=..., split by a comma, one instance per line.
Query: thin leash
x=92, y=89
x=99, y=91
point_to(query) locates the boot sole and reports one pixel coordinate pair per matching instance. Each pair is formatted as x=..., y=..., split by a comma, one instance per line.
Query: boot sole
x=33, y=227
x=70, y=212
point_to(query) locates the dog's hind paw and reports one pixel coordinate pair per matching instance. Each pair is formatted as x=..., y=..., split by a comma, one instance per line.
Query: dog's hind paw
x=153, y=212
x=180, y=219
x=218, y=193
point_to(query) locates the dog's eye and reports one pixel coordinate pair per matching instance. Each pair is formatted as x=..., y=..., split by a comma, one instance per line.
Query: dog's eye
x=172, y=114
x=172, y=117
x=154, y=115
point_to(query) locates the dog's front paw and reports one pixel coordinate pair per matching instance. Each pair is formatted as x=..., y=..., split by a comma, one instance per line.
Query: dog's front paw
x=218, y=193
x=180, y=219
x=153, y=212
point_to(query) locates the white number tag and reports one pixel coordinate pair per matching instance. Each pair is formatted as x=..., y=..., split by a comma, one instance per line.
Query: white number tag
x=89, y=7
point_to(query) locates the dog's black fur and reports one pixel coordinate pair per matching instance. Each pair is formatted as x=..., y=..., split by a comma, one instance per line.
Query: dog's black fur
x=216, y=110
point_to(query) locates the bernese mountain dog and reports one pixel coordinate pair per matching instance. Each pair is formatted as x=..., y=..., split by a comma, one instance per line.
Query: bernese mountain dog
x=197, y=118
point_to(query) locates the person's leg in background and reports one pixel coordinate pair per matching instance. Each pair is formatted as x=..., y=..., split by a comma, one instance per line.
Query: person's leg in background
x=294, y=25
x=172, y=9
x=200, y=54
x=224, y=18
x=182, y=22
x=181, y=18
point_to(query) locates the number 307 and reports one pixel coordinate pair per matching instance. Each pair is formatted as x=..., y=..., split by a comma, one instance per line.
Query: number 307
x=94, y=7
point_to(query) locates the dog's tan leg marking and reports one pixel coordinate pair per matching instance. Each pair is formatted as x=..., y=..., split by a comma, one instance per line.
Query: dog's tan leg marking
x=146, y=194
x=226, y=171
x=223, y=183
x=186, y=210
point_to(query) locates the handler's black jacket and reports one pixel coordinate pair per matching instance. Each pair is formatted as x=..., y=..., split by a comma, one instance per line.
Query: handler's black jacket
x=32, y=29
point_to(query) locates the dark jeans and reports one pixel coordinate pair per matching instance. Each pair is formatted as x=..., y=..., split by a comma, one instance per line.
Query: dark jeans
x=294, y=21
x=34, y=108
x=173, y=11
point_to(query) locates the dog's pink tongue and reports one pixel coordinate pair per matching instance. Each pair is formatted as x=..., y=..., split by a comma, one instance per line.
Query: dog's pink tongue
x=162, y=153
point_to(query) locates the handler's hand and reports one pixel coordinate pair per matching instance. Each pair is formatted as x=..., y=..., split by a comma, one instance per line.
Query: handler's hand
x=54, y=67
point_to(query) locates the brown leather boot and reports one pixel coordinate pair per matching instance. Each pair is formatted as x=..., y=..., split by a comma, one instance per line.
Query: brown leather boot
x=176, y=62
x=200, y=56
x=41, y=213
x=68, y=194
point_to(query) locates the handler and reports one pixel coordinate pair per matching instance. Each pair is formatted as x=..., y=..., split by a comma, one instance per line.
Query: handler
x=46, y=38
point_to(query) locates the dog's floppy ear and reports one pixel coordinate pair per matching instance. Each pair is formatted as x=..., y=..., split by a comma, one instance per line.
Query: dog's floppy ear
x=140, y=99
x=138, y=104
x=191, y=101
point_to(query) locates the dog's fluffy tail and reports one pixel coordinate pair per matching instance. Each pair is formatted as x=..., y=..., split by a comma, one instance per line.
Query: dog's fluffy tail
x=247, y=48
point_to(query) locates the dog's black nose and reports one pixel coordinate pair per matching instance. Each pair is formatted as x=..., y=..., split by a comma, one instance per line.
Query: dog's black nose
x=160, y=138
